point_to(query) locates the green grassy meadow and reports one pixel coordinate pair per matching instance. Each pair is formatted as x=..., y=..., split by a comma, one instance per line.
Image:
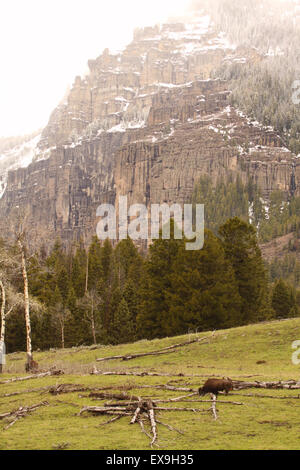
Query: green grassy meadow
x=260, y=423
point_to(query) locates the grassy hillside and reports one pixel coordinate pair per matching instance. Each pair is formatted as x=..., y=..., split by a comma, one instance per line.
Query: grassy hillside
x=260, y=423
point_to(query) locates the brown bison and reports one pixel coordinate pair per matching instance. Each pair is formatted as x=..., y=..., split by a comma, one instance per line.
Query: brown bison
x=214, y=386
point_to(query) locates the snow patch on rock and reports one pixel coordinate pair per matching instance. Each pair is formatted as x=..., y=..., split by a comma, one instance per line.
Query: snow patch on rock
x=19, y=157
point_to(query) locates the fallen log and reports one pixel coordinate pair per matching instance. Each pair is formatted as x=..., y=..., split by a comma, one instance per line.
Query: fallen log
x=201, y=401
x=30, y=390
x=137, y=374
x=158, y=402
x=194, y=410
x=67, y=388
x=137, y=412
x=128, y=357
x=289, y=385
x=152, y=421
x=134, y=356
x=103, y=411
x=257, y=395
x=113, y=396
x=161, y=374
x=213, y=407
x=120, y=409
x=170, y=400
x=34, y=376
x=168, y=387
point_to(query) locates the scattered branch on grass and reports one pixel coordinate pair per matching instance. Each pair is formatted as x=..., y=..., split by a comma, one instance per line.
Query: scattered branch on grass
x=67, y=388
x=111, y=420
x=161, y=374
x=13, y=416
x=171, y=400
x=95, y=392
x=257, y=395
x=168, y=388
x=236, y=403
x=113, y=396
x=194, y=410
x=152, y=421
x=95, y=410
x=30, y=390
x=170, y=427
x=35, y=376
x=137, y=412
x=134, y=356
x=128, y=357
x=289, y=384
x=143, y=428
x=136, y=374
x=213, y=406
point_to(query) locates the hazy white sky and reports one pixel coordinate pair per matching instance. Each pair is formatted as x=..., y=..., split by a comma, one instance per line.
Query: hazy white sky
x=45, y=43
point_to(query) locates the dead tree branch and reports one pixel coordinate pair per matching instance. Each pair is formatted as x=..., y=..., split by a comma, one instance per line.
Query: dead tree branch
x=13, y=416
x=213, y=407
x=128, y=357
x=35, y=376
x=152, y=421
x=289, y=385
x=171, y=428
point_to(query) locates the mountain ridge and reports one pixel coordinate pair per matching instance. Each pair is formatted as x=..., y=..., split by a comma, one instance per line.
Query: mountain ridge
x=147, y=122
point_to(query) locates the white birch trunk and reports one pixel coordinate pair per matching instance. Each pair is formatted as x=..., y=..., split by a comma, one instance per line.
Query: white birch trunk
x=27, y=310
x=3, y=305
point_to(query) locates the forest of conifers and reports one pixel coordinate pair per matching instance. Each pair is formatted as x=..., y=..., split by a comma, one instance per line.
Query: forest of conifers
x=113, y=295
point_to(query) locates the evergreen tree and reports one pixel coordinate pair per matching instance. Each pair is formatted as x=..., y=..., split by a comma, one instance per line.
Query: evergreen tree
x=131, y=295
x=79, y=271
x=123, y=327
x=284, y=300
x=95, y=269
x=106, y=259
x=242, y=251
x=75, y=331
x=204, y=292
x=153, y=317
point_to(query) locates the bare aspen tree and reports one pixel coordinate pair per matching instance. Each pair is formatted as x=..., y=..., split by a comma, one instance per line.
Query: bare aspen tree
x=7, y=263
x=20, y=236
x=90, y=303
x=2, y=334
x=9, y=301
x=61, y=314
x=26, y=305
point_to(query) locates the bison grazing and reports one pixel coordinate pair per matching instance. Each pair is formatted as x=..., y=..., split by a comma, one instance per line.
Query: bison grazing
x=214, y=386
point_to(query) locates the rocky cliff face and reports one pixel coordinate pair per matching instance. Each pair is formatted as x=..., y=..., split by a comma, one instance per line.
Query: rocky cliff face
x=146, y=123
